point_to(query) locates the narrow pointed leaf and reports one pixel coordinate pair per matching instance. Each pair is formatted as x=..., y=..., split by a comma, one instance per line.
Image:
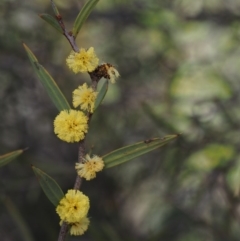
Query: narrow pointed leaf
x=55, y=9
x=101, y=94
x=83, y=15
x=6, y=158
x=48, y=82
x=130, y=152
x=52, y=21
x=49, y=186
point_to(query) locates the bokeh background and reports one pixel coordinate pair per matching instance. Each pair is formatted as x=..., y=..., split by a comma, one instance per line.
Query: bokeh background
x=179, y=62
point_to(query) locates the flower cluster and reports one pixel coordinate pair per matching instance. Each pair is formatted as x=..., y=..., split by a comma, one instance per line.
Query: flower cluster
x=89, y=167
x=73, y=209
x=87, y=61
x=72, y=126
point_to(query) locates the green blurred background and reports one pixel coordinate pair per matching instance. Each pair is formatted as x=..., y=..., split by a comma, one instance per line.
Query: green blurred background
x=179, y=62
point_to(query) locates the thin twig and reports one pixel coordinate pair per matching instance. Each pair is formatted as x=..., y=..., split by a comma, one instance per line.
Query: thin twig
x=68, y=35
x=78, y=182
x=81, y=155
x=63, y=232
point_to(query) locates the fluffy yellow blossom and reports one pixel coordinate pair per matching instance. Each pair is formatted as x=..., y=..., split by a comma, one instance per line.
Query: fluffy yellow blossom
x=113, y=74
x=71, y=126
x=84, y=61
x=89, y=167
x=73, y=207
x=80, y=227
x=85, y=97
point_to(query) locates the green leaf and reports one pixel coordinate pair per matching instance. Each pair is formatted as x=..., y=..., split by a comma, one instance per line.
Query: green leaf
x=6, y=158
x=82, y=16
x=101, y=94
x=52, y=21
x=54, y=7
x=130, y=152
x=49, y=186
x=48, y=82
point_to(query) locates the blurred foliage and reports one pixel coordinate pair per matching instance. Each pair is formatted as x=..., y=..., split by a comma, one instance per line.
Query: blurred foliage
x=179, y=64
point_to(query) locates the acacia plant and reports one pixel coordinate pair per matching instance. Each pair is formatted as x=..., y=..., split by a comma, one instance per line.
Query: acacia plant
x=72, y=124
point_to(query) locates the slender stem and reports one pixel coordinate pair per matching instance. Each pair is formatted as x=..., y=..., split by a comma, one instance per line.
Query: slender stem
x=68, y=35
x=81, y=152
x=94, y=82
x=78, y=182
x=63, y=232
x=81, y=155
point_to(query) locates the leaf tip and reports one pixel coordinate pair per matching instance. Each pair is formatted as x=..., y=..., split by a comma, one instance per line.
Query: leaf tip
x=26, y=47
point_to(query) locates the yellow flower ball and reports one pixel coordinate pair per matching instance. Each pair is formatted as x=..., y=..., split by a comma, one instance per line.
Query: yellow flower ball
x=84, y=61
x=89, y=167
x=85, y=97
x=71, y=125
x=73, y=207
x=80, y=227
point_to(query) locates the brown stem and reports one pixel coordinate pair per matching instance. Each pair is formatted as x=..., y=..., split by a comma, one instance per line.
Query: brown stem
x=95, y=77
x=63, y=232
x=81, y=155
x=81, y=149
x=68, y=35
